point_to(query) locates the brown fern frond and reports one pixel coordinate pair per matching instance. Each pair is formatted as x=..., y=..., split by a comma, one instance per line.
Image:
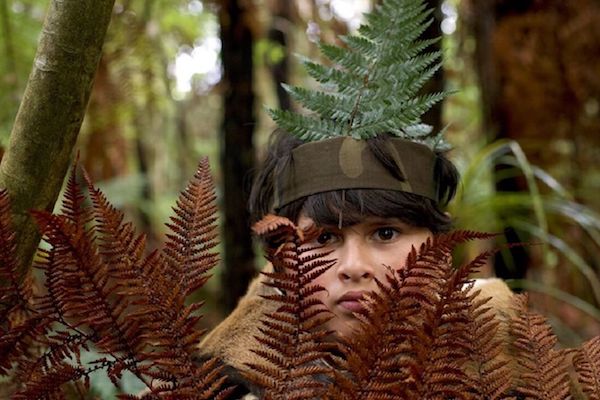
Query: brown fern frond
x=17, y=341
x=413, y=335
x=118, y=245
x=427, y=270
x=203, y=383
x=587, y=366
x=48, y=329
x=292, y=339
x=491, y=375
x=102, y=293
x=19, y=324
x=489, y=366
x=271, y=223
x=542, y=369
x=83, y=300
x=141, y=279
x=48, y=385
x=189, y=250
x=73, y=206
x=10, y=291
x=443, y=325
x=82, y=284
x=170, y=276
x=365, y=368
x=173, y=274
x=123, y=252
x=270, y=229
x=15, y=290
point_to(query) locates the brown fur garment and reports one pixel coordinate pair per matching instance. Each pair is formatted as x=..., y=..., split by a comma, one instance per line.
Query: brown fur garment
x=233, y=338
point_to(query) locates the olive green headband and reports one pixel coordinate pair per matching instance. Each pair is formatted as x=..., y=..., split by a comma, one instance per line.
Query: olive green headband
x=347, y=163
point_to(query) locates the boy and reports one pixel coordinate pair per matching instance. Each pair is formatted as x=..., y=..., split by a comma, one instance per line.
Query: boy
x=362, y=167
x=366, y=229
x=368, y=224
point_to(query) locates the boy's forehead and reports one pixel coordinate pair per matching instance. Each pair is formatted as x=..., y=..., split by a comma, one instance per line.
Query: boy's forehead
x=305, y=221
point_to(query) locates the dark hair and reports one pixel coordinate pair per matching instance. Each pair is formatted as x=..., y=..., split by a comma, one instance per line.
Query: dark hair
x=350, y=206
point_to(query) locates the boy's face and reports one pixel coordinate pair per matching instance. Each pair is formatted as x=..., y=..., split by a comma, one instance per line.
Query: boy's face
x=363, y=253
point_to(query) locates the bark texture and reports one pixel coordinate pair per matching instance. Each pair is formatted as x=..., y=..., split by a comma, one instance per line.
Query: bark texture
x=237, y=152
x=50, y=115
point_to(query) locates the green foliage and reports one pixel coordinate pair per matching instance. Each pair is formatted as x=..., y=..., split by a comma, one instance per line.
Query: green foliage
x=141, y=131
x=541, y=211
x=373, y=84
x=183, y=26
x=268, y=52
x=19, y=31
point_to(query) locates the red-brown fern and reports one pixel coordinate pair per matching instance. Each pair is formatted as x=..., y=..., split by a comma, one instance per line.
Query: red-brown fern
x=587, y=365
x=165, y=281
x=542, y=369
x=17, y=327
x=293, y=345
x=418, y=318
x=489, y=368
x=103, y=293
x=364, y=372
x=449, y=327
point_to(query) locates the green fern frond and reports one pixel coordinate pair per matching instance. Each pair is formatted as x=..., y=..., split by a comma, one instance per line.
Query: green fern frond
x=373, y=84
x=319, y=102
x=306, y=128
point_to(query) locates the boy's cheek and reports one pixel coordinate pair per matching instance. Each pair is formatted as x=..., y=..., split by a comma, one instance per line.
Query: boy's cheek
x=342, y=325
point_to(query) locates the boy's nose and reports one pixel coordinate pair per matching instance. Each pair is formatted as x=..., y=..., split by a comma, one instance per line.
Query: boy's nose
x=354, y=264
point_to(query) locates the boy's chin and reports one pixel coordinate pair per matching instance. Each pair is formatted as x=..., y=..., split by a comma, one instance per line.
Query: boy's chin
x=343, y=328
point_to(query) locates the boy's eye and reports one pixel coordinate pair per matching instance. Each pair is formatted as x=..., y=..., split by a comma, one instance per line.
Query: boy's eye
x=385, y=234
x=325, y=237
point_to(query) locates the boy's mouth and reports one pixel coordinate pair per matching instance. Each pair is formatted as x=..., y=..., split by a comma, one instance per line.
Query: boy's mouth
x=351, y=301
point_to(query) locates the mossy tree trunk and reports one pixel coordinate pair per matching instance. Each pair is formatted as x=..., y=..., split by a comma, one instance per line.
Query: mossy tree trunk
x=51, y=112
x=237, y=152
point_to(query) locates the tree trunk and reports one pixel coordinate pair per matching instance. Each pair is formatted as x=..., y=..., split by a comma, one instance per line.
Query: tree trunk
x=436, y=84
x=237, y=152
x=50, y=116
x=279, y=33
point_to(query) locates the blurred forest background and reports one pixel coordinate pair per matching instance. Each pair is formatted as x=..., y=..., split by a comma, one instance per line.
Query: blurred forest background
x=181, y=79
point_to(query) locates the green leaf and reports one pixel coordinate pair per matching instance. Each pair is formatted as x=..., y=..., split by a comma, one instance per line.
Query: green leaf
x=373, y=85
